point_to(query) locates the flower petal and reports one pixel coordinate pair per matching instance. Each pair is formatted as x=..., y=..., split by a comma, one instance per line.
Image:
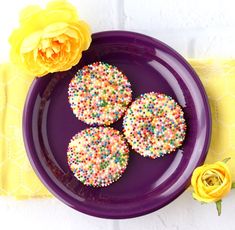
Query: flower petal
x=30, y=42
x=63, y=5
x=85, y=30
x=54, y=30
x=27, y=13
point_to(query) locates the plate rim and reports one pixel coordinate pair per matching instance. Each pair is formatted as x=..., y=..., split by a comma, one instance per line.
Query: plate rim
x=61, y=195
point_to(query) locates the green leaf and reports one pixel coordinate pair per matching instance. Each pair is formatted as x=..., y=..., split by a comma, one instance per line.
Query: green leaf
x=233, y=185
x=219, y=206
x=226, y=159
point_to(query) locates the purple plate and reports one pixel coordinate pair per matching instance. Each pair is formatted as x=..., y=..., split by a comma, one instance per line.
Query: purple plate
x=147, y=185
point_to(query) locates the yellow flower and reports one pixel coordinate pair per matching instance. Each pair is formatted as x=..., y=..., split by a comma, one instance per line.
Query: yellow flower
x=211, y=182
x=49, y=40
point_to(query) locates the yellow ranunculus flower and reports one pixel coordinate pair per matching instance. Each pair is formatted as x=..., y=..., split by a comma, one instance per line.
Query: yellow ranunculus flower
x=211, y=182
x=49, y=40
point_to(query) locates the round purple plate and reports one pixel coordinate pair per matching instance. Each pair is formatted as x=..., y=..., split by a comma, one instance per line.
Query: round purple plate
x=146, y=185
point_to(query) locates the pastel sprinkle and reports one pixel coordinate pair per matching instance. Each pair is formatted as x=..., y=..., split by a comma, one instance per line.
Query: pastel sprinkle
x=99, y=94
x=154, y=125
x=98, y=156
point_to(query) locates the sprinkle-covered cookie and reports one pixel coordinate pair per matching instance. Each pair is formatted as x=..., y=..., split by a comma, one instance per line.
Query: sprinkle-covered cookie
x=99, y=94
x=98, y=156
x=154, y=125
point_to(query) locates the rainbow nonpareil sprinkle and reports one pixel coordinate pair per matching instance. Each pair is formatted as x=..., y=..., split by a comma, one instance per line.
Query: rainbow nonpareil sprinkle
x=154, y=125
x=98, y=156
x=99, y=94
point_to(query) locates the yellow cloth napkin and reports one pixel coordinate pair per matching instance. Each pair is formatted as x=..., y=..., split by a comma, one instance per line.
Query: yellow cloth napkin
x=16, y=175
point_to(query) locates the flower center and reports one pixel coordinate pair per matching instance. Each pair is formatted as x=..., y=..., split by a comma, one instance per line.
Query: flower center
x=211, y=178
x=50, y=48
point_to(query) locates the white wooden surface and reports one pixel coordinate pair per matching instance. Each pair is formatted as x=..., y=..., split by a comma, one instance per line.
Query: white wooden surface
x=196, y=29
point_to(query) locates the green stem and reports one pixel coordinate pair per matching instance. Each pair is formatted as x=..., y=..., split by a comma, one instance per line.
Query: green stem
x=219, y=206
x=226, y=159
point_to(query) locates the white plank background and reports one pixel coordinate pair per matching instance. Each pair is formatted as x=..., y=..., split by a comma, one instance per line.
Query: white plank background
x=196, y=29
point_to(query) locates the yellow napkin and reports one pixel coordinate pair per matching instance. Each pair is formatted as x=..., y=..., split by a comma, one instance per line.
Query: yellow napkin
x=16, y=175
x=218, y=78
